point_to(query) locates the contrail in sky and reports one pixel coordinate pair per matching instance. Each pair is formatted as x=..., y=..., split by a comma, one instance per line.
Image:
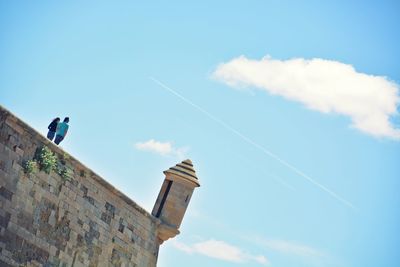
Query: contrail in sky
x=269, y=174
x=259, y=147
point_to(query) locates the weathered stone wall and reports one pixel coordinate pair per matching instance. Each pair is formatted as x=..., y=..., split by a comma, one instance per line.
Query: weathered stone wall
x=46, y=220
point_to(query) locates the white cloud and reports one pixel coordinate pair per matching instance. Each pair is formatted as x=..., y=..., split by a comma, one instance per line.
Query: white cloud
x=162, y=148
x=296, y=251
x=290, y=247
x=323, y=85
x=220, y=250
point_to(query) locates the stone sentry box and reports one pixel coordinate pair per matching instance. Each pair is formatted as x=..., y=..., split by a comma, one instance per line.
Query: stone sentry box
x=84, y=221
x=173, y=199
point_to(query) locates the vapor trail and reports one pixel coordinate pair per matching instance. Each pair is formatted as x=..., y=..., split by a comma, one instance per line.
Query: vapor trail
x=269, y=174
x=259, y=147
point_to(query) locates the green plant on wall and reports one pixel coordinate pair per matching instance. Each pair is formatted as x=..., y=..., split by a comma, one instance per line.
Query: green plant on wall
x=47, y=160
x=65, y=173
x=31, y=167
x=64, y=158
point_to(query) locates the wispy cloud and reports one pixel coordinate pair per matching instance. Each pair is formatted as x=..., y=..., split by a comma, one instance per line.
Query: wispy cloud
x=162, y=148
x=290, y=248
x=323, y=85
x=295, y=250
x=220, y=250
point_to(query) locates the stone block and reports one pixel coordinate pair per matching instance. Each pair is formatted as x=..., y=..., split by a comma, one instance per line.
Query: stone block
x=19, y=151
x=5, y=219
x=53, y=250
x=5, y=193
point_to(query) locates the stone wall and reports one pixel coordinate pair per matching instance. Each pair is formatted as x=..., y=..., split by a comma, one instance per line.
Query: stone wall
x=47, y=220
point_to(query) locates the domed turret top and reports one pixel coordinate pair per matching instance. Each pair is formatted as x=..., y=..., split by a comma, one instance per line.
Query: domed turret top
x=184, y=169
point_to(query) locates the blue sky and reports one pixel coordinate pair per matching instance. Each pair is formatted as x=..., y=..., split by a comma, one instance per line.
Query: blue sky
x=237, y=85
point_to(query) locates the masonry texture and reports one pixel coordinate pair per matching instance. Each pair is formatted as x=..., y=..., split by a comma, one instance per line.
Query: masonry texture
x=47, y=220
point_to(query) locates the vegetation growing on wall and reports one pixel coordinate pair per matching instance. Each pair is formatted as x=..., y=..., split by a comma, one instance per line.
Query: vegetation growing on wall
x=65, y=172
x=45, y=160
x=31, y=167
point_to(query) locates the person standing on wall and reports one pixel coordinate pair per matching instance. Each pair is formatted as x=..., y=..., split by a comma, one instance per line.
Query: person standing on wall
x=62, y=129
x=52, y=128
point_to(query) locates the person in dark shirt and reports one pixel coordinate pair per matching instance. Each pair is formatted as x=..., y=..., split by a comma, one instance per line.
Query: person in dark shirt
x=52, y=128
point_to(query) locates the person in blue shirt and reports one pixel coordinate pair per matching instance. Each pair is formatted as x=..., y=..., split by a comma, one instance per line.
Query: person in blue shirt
x=62, y=129
x=52, y=128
